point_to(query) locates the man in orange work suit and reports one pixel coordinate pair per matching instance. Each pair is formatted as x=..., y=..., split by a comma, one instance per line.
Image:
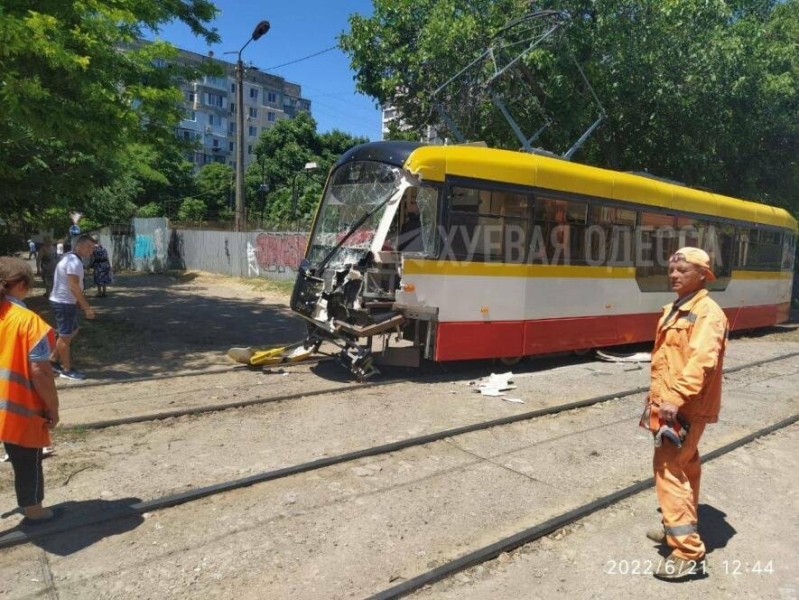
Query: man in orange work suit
x=686, y=387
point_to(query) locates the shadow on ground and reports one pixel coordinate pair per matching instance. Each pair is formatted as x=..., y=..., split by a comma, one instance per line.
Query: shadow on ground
x=158, y=324
x=79, y=524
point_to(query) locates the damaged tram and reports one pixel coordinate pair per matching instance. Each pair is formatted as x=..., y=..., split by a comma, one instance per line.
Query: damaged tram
x=465, y=252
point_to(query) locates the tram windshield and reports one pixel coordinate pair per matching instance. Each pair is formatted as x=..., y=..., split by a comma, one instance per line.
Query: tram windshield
x=351, y=211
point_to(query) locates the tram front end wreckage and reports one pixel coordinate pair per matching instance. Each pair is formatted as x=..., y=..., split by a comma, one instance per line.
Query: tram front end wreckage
x=349, y=287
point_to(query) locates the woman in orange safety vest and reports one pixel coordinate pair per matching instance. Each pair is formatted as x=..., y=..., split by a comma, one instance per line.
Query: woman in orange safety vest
x=28, y=397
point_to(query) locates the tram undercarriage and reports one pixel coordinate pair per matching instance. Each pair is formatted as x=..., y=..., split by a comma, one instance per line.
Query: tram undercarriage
x=354, y=308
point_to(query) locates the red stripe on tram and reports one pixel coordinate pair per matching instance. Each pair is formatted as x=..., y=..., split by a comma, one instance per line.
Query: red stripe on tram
x=496, y=339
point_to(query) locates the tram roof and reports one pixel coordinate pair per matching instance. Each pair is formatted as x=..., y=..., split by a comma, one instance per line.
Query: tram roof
x=521, y=168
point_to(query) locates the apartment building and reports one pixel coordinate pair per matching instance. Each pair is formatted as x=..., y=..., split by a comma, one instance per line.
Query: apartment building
x=211, y=109
x=391, y=114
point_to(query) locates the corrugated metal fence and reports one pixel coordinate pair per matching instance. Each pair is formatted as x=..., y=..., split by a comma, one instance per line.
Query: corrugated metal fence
x=151, y=245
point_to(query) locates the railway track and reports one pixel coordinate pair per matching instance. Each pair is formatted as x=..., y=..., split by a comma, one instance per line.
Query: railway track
x=434, y=372
x=537, y=532
x=342, y=389
x=15, y=537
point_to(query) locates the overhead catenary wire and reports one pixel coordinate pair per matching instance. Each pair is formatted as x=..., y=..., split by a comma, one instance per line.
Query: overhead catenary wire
x=291, y=62
x=352, y=117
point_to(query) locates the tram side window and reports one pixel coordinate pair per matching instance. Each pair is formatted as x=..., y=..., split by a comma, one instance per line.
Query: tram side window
x=487, y=225
x=559, y=234
x=413, y=229
x=770, y=249
x=656, y=241
x=759, y=249
x=609, y=239
x=741, y=257
x=714, y=238
x=718, y=240
x=427, y=200
x=788, y=251
x=690, y=231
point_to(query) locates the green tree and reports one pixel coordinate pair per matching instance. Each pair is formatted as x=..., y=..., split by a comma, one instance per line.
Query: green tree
x=282, y=152
x=700, y=91
x=78, y=88
x=214, y=184
x=148, y=211
x=192, y=210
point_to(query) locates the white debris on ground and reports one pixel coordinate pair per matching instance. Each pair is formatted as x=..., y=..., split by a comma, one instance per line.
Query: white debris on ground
x=638, y=357
x=495, y=384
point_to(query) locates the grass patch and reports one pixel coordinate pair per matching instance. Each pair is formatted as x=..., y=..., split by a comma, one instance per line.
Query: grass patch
x=261, y=284
x=182, y=276
x=106, y=341
x=70, y=435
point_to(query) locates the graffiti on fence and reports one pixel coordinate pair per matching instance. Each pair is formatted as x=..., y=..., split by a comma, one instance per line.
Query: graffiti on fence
x=144, y=247
x=279, y=252
x=252, y=262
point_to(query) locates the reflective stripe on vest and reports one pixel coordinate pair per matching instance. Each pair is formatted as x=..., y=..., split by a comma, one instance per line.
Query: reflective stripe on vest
x=679, y=530
x=18, y=409
x=15, y=377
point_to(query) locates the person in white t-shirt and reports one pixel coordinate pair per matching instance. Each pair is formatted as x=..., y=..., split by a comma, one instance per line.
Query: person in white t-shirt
x=66, y=297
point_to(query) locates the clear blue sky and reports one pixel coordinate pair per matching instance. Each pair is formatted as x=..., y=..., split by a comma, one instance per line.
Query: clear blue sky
x=299, y=29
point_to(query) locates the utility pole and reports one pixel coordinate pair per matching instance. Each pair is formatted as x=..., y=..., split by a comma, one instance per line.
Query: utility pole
x=239, y=224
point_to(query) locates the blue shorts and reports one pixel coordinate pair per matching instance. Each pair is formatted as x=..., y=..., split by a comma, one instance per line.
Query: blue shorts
x=66, y=318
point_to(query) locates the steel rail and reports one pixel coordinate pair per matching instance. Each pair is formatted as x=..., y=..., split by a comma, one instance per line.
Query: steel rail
x=160, y=416
x=536, y=532
x=20, y=536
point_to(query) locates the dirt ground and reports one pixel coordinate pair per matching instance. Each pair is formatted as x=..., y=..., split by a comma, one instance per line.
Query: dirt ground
x=159, y=344
x=151, y=325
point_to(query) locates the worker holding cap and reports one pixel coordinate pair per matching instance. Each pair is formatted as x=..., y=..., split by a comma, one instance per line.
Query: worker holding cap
x=686, y=384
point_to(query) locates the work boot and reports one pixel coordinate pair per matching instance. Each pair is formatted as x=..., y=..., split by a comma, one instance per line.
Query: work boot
x=675, y=568
x=657, y=535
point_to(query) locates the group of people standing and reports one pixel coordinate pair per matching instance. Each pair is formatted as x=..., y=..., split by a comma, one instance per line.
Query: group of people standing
x=49, y=254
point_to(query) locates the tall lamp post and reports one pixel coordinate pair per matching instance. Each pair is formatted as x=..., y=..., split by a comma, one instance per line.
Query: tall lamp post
x=259, y=31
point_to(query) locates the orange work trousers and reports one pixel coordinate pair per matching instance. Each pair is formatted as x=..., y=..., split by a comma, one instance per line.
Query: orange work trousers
x=677, y=477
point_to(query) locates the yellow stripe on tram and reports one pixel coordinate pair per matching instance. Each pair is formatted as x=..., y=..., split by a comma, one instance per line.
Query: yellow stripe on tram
x=736, y=274
x=482, y=269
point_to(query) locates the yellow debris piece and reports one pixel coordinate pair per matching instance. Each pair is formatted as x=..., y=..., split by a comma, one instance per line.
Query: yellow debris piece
x=270, y=356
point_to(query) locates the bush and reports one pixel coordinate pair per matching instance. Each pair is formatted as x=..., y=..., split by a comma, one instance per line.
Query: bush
x=192, y=210
x=148, y=211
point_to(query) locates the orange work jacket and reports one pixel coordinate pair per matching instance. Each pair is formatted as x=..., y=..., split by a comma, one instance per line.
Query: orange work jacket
x=688, y=357
x=22, y=411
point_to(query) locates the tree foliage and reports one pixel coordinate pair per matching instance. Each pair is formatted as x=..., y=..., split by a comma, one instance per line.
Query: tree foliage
x=282, y=153
x=192, y=210
x=702, y=91
x=79, y=94
x=214, y=185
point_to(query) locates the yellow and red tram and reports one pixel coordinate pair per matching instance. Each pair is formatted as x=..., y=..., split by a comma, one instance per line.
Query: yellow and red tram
x=464, y=252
